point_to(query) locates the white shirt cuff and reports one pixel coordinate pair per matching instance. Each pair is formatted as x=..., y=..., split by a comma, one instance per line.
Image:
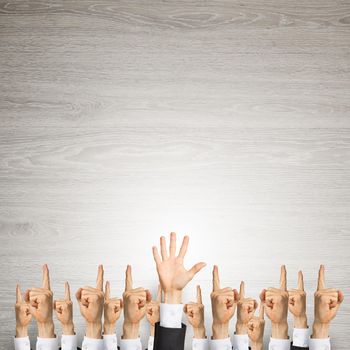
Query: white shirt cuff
x=47, y=344
x=110, y=341
x=319, y=344
x=240, y=342
x=301, y=337
x=220, y=344
x=171, y=315
x=150, y=343
x=200, y=344
x=69, y=342
x=92, y=344
x=22, y=343
x=130, y=344
x=279, y=344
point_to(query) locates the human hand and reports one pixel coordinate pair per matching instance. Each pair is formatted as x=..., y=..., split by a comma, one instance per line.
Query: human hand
x=91, y=301
x=23, y=315
x=153, y=310
x=223, y=305
x=64, y=311
x=134, y=301
x=195, y=315
x=275, y=301
x=112, y=311
x=245, y=311
x=256, y=327
x=297, y=303
x=327, y=303
x=172, y=274
x=40, y=301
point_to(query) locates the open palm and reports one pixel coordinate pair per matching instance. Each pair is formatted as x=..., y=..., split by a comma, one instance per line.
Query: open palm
x=171, y=271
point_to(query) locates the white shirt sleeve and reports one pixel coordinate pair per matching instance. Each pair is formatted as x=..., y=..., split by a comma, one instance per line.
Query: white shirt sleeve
x=69, y=342
x=110, y=341
x=319, y=344
x=171, y=315
x=22, y=343
x=279, y=344
x=200, y=344
x=150, y=343
x=240, y=342
x=92, y=344
x=220, y=344
x=301, y=337
x=130, y=344
x=47, y=344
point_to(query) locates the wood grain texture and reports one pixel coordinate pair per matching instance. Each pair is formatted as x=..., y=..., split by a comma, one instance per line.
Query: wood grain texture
x=124, y=120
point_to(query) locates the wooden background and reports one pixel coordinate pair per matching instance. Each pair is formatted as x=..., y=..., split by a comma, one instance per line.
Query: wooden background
x=125, y=120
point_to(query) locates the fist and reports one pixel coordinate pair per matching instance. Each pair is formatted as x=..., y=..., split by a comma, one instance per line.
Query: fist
x=245, y=310
x=153, y=308
x=91, y=300
x=256, y=328
x=195, y=311
x=112, y=307
x=64, y=307
x=23, y=315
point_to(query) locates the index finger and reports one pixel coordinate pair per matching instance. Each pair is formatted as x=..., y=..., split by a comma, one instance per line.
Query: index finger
x=46, y=277
x=67, y=292
x=18, y=294
x=300, y=280
x=321, y=279
x=128, y=278
x=199, y=295
x=107, y=290
x=241, y=291
x=261, y=311
x=159, y=294
x=216, y=281
x=283, y=278
x=99, y=280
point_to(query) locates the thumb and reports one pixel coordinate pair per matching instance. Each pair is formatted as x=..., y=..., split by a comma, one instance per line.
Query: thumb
x=196, y=268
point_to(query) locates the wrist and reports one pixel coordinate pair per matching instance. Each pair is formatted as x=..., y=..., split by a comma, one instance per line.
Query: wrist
x=220, y=330
x=199, y=333
x=300, y=322
x=94, y=330
x=68, y=329
x=109, y=328
x=320, y=330
x=21, y=331
x=279, y=330
x=131, y=330
x=241, y=328
x=152, y=331
x=257, y=345
x=173, y=297
x=46, y=329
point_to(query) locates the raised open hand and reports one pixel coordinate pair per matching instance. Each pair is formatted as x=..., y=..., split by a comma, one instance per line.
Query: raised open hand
x=245, y=310
x=327, y=303
x=276, y=306
x=173, y=276
x=135, y=301
x=256, y=328
x=40, y=301
x=91, y=301
x=223, y=304
x=297, y=303
x=23, y=315
x=195, y=315
x=64, y=311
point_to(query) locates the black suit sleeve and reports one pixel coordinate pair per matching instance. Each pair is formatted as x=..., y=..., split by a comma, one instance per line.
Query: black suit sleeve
x=169, y=338
x=292, y=347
